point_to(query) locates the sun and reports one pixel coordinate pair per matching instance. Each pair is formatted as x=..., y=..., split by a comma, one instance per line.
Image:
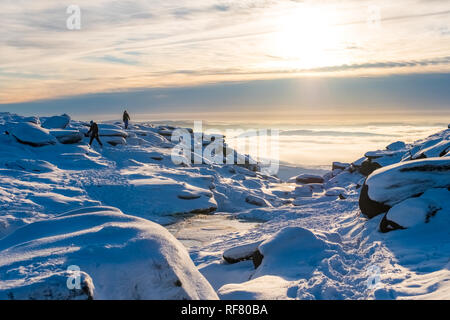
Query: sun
x=307, y=38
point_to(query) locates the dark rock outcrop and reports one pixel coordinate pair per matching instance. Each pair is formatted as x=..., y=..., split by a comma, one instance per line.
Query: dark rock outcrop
x=369, y=207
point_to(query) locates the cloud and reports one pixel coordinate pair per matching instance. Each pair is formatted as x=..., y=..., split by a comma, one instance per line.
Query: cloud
x=164, y=43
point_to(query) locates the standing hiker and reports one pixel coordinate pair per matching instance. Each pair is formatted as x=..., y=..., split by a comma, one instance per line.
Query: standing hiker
x=126, y=118
x=93, y=131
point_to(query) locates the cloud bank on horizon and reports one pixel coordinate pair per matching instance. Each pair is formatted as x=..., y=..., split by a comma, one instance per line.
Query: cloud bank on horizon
x=127, y=45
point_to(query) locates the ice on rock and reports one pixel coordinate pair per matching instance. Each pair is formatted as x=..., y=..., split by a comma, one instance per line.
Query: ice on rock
x=120, y=257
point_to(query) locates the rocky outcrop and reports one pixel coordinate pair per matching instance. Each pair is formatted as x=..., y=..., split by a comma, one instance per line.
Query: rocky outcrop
x=309, y=178
x=56, y=122
x=257, y=201
x=393, y=184
x=31, y=134
x=243, y=253
x=66, y=136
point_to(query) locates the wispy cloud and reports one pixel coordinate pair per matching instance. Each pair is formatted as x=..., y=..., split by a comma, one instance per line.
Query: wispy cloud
x=132, y=44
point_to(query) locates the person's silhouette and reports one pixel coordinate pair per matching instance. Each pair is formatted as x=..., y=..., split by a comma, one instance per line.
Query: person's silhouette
x=126, y=118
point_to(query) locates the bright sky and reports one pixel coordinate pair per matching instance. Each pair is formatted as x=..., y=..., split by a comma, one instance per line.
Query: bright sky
x=125, y=45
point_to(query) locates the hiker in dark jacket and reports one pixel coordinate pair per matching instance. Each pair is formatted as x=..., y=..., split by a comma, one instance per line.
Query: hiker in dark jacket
x=93, y=132
x=126, y=118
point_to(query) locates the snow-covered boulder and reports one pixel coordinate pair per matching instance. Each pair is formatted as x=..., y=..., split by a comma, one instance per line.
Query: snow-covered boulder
x=242, y=253
x=292, y=248
x=340, y=165
x=257, y=201
x=166, y=131
x=31, y=165
x=395, y=146
x=367, y=167
x=67, y=136
x=391, y=185
x=114, y=140
x=57, y=122
x=316, y=187
x=437, y=150
x=32, y=119
x=32, y=134
x=337, y=192
x=415, y=211
x=302, y=191
x=309, y=178
x=119, y=257
x=112, y=133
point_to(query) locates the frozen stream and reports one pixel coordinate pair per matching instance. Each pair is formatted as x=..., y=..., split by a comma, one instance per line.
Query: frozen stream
x=201, y=230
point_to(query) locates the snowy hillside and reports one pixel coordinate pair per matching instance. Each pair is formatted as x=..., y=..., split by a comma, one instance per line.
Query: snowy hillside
x=337, y=236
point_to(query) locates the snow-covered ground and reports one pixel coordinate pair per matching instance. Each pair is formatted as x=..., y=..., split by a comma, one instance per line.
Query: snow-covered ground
x=307, y=238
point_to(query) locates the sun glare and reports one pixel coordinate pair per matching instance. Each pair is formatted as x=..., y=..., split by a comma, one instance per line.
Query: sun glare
x=306, y=39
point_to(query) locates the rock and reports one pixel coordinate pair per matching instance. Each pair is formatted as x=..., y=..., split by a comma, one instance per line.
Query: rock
x=336, y=192
x=32, y=119
x=52, y=287
x=387, y=226
x=340, y=165
x=395, y=146
x=186, y=195
x=67, y=136
x=114, y=140
x=342, y=197
x=437, y=150
x=257, y=201
x=241, y=253
x=121, y=257
x=309, y=178
x=32, y=134
x=316, y=187
x=257, y=259
x=368, y=167
x=57, y=122
x=165, y=132
x=112, y=133
x=31, y=165
x=409, y=213
x=303, y=191
x=391, y=185
x=207, y=210
x=294, y=246
x=369, y=207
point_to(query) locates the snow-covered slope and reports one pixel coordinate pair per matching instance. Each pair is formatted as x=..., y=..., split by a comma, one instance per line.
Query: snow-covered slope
x=120, y=256
x=312, y=242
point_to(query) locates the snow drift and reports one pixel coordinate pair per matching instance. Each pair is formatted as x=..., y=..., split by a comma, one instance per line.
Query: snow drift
x=121, y=257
